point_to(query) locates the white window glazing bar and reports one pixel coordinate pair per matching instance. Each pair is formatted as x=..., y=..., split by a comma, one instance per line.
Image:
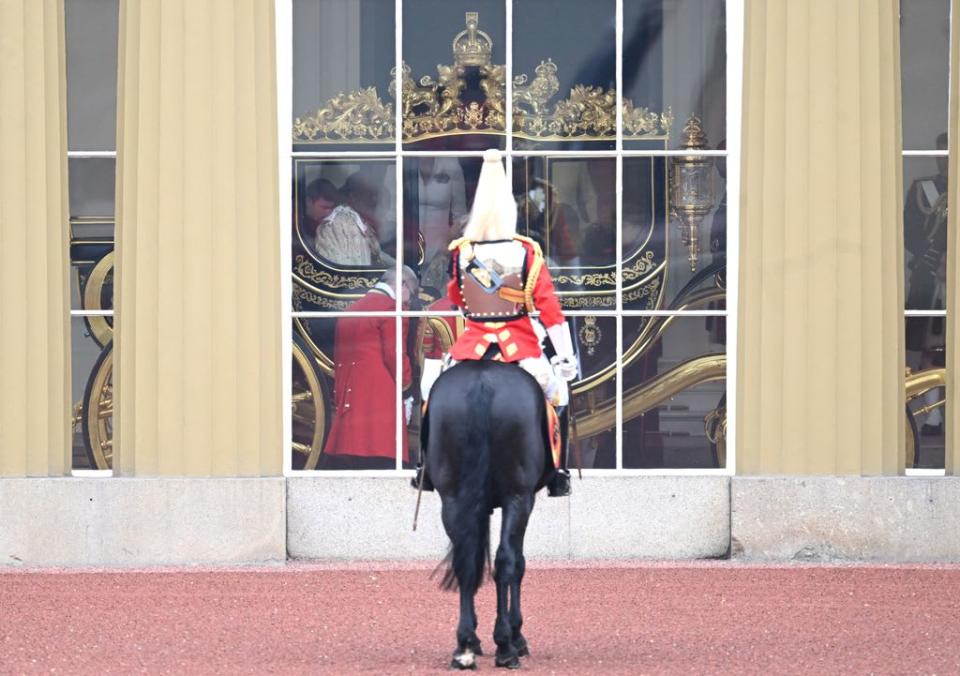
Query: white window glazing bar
x=735, y=27
x=91, y=313
x=91, y=154
x=508, y=93
x=618, y=247
x=926, y=153
x=924, y=313
x=399, y=347
x=283, y=22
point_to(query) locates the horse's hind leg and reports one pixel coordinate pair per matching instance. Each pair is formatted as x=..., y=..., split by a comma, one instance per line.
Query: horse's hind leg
x=510, y=566
x=469, y=533
x=516, y=616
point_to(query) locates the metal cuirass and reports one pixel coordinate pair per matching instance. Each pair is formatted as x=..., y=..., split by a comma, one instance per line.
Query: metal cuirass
x=491, y=279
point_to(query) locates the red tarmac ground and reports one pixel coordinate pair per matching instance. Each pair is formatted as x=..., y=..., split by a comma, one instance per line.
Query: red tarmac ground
x=641, y=618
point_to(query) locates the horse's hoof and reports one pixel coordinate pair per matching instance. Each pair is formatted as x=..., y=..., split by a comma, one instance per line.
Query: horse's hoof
x=465, y=660
x=507, y=661
x=523, y=650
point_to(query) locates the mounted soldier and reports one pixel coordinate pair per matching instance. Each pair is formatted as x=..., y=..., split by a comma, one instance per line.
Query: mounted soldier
x=498, y=278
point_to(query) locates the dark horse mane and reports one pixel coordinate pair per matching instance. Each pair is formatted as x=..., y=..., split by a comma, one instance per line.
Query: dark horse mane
x=485, y=437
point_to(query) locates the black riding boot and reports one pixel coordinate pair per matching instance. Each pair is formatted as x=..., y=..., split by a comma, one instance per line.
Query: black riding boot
x=559, y=484
x=421, y=476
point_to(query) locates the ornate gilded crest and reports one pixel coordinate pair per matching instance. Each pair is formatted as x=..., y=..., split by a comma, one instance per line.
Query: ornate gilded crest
x=590, y=334
x=434, y=107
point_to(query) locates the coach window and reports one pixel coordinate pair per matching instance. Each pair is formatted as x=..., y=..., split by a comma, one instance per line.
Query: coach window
x=91, y=42
x=925, y=64
x=613, y=118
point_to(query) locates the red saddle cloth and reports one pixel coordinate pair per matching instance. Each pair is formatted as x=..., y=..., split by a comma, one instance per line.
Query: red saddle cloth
x=553, y=429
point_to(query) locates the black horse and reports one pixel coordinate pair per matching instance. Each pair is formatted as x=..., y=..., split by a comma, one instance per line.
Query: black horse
x=487, y=446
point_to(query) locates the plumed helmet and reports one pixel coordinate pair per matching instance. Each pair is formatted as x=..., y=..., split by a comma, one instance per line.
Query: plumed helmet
x=494, y=212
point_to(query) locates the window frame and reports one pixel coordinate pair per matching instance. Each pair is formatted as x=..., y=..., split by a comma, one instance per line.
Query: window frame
x=734, y=10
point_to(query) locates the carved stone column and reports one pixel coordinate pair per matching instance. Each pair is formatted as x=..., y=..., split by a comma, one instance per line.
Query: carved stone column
x=34, y=260
x=821, y=348
x=198, y=371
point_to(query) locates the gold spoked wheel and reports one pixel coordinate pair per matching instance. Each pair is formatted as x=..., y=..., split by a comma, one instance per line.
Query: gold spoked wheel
x=96, y=413
x=309, y=398
x=101, y=278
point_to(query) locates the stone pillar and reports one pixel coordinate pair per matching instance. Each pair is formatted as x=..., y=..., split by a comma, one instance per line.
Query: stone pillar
x=952, y=417
x=821, y=348
x=198, y=373
x=34, y=259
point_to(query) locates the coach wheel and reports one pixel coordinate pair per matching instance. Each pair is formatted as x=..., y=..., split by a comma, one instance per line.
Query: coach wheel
x=715, y=428
x=96, y=414
x=309, y=399
x=98, y=284
x=912, y=440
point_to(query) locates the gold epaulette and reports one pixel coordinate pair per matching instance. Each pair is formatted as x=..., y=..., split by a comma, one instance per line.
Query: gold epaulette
x=455, y=244
x=533, y=273
x=531, y=242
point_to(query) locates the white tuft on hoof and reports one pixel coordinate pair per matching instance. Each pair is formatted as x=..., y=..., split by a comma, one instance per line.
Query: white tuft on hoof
x=466, y=659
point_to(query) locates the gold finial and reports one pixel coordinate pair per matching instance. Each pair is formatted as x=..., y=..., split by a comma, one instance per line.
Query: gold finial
x=693, y=134
x=472, y=47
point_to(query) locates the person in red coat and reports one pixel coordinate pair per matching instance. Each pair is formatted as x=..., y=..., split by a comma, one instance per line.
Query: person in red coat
x=498, y=279
x=363, y=433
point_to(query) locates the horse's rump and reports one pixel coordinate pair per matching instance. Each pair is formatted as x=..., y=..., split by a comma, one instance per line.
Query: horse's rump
x=492, y=406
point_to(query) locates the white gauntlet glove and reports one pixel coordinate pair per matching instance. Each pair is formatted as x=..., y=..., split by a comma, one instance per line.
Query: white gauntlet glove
x=564, y=363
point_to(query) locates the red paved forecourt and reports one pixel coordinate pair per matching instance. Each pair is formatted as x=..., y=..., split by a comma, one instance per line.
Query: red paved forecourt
x=639, y=619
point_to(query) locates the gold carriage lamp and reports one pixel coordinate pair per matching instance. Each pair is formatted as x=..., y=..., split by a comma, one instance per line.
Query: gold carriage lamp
x=692, y=192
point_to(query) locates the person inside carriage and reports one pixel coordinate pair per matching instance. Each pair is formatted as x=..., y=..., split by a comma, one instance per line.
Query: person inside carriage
x=498, y=278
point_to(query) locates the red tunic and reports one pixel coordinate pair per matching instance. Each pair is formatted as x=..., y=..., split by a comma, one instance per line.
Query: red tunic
x=516, y=337
x=364, y=385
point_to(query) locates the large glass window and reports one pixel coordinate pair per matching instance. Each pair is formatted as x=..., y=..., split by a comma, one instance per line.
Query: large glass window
x=612, y=115
x=91, y=43
x=925, y=62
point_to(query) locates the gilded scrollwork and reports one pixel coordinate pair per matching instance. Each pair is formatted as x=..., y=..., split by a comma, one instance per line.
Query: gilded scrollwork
x=305, y=269
x=607, y=300
x=355, y=116
x=589, y=279
x=302, y=295
x=434, y=106
x=641, y=121
x=644, y=265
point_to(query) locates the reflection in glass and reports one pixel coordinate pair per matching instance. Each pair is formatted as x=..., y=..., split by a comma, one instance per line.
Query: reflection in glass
x=564, y=74
x=343, y=56
x=344, y=230
x=91, y=233
x=92, y=397
x=92, y=186
x=926, y=358
x=344, y=396
x=568, y=205
x=674, y=66
x=453, y=75
x=925, y=232
x=656, y=267
x=431, y=338
x=437, y=193
x=674, y=393
x=91, y=42
x=595, y=394
x=925, y=70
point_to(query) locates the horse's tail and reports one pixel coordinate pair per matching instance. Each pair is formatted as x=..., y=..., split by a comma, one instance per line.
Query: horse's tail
x=469, y=555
